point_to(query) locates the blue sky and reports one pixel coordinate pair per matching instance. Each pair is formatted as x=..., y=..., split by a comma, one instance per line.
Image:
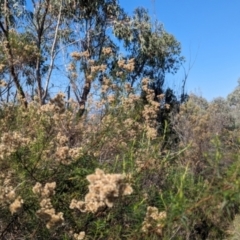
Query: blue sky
x=209, y=32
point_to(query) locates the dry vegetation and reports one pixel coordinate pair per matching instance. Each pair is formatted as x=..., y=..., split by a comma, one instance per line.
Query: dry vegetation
x=123, y=159
x=49, y=155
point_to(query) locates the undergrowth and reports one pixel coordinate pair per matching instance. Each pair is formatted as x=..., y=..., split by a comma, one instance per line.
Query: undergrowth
x=107, y=177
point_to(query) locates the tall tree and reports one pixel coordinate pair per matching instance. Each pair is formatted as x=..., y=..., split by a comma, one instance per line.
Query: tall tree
x=10, y=10
x=92, y=21
x=82, y=31
x=155, y=51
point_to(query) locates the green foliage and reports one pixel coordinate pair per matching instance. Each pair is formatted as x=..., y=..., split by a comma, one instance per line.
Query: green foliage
x=189, y=202
x=126, y=159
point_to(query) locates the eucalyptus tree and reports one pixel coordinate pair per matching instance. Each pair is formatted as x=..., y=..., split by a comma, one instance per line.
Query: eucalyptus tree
x=28, y=38
x=11, y=13
x=90, y=24
x=156, y=53
x=153, y=50
x=42, y=36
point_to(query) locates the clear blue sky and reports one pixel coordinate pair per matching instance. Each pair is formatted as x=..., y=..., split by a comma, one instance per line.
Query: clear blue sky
x=209, y=32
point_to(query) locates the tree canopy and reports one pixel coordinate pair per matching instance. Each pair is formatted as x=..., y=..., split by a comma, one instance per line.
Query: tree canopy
x=47, y=38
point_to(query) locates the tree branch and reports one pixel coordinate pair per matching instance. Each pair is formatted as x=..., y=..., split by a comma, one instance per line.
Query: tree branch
x=11, y=58
x=40, y=30
x=52, y=55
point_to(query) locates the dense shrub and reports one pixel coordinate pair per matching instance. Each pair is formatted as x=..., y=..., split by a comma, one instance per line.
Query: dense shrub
x=48, y=153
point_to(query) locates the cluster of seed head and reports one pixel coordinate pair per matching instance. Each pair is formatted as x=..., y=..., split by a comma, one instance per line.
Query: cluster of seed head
x=16, y=206
x=106, y=50
x=10, y=142
x=79, y=55
x=58, y=102
x=79, y=236
x=129, y=66
x=2, y=81
x=150, y=110
x=47, y=212
x=154, y=221
x=104, y=189
x=95, y=69
x=8, y=193
x=60, y=148
x=66, y=155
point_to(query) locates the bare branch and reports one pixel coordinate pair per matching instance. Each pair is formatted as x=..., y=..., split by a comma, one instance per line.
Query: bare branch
x=40, y=31
x=52, y=56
